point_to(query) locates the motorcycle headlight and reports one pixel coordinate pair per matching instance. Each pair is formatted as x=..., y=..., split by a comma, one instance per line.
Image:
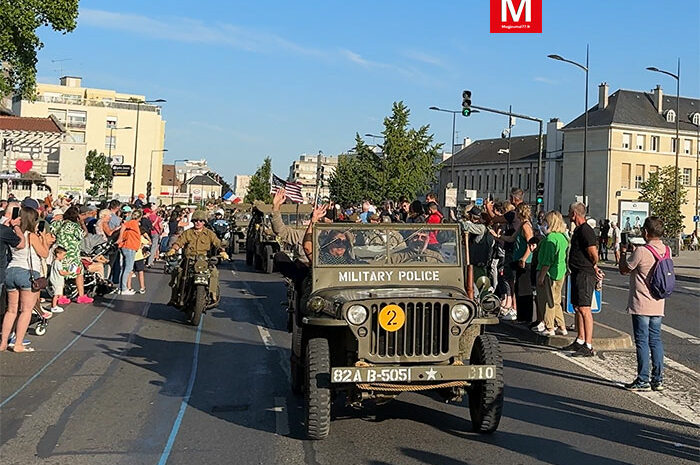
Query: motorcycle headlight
x=357, y=314
x=460, y=313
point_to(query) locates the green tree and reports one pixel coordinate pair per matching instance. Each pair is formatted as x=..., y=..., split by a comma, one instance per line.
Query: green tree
x=659, y=190
x=259, y=187
x=406, y=165
x=97, y=172
x=19, y=43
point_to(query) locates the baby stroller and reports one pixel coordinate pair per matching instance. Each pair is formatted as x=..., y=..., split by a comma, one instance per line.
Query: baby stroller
x=93, y=283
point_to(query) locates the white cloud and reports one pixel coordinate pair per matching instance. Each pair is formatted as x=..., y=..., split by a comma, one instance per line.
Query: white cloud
x=365, y=63
x=192, y=31
x=545, y=80
x=424, y=58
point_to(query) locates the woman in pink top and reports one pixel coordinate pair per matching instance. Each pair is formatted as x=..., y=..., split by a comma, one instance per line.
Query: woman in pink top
x=647, y=312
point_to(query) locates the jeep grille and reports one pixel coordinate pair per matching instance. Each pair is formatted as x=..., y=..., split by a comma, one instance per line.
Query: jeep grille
x=425, y=332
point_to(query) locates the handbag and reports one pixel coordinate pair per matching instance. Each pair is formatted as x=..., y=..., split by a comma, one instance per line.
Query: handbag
x=37, y=283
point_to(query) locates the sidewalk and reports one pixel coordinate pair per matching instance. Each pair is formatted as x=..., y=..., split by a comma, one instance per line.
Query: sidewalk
x=606, y=338
x=686, y=265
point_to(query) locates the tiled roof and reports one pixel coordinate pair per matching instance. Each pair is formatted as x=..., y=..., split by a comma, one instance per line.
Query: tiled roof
x=23, y=123
x=523, y=148
x=638, y=109
x=202, y=180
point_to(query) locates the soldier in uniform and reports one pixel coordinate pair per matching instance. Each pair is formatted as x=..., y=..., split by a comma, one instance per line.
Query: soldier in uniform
x=197, y=240
x=416, y=251
x=379, y=236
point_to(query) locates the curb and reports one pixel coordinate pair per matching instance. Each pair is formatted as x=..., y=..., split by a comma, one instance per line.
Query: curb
x=679, y=277
x=620, y=340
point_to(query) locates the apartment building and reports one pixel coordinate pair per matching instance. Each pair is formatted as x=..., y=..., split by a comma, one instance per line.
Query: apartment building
x=304, y=170
x=106, y=121
x=630, y=135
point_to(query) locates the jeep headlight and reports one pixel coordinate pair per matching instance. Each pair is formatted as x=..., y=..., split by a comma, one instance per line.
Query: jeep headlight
x=460, y=313
x=316, y=304
x=357, y=314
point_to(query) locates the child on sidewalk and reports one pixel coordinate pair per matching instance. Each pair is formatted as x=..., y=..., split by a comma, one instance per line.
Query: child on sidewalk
x=140, y=262
x=57, y=278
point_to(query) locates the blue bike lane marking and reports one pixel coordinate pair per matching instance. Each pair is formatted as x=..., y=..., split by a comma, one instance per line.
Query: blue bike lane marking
x=53, y=359
x=185, y=400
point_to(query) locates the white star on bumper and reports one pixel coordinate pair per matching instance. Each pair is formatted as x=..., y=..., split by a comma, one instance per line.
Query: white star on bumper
x=431, y=374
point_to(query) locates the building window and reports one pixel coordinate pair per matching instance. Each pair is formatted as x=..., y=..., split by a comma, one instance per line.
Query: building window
x=111, y=122
x=527, y=181
x=495, y=181
x=58, y=114
x=696, y=119
x=488, y=178
x=687, y=146
x=626, y=140
x=640, y=142
x=653, y=169
x=479, y=181
x=655, y=143
x=78, y=137
x=670, y=116
x=503, y=181
x=638, y=176
x=625, y=176
x=673, y=145
x=111, y=142
x=76, y=119
x=685, y=178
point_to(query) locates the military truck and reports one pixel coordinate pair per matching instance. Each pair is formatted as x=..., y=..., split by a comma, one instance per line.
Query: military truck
x=385, y=311
x=261, y=241
x=239, y=226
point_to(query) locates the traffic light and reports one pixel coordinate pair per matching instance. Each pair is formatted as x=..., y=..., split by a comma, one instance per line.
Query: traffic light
x=149, y=187
x=540, y=193
x=467, y=102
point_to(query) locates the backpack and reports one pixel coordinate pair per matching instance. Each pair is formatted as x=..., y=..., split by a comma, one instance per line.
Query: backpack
x=661, y=279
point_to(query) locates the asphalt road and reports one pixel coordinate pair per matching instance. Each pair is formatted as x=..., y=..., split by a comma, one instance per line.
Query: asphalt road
x=128, y=382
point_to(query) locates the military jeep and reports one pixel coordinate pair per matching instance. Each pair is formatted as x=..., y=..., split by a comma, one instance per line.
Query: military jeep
x=239, y=226
x=385, y=311
x=261, y=242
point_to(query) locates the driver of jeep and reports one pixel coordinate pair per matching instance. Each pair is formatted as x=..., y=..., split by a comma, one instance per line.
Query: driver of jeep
x=416, y=250
x=197, y=240
x=335, y=249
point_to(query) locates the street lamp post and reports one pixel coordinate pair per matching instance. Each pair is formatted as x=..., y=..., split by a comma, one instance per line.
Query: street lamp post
x=150, y=168
x=677, y=77
x=111, y=143
x=585, y=122
x=172, y=192
x=136, y=142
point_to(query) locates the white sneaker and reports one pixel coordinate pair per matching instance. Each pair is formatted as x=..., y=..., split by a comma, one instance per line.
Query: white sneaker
x=128, y=292
x=539, y=328
x=561, y=332
x=546, y=332
x=142, y=291
x=56, y=309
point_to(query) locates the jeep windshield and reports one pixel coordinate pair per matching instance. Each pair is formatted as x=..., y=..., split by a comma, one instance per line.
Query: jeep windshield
x=386, y=245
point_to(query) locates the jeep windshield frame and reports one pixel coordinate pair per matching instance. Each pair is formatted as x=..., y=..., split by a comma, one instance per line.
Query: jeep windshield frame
x=392, y=263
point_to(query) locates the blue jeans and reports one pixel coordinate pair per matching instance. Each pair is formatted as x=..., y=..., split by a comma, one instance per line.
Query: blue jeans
x=647, y=338
x=128, y=256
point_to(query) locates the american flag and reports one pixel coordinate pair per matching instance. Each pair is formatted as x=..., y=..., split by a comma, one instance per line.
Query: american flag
x=293, y=189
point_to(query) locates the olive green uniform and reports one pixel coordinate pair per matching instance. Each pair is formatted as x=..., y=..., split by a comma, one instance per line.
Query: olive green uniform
x=412, y=255
x=195, y=243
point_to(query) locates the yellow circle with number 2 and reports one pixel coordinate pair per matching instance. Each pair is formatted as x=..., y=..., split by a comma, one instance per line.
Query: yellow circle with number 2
x=392, y=318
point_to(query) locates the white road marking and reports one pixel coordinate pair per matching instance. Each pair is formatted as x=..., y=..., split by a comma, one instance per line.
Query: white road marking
x=680, y=334
x=691, y=288
x=266, y=337
x=281, y=417
x=680, y=397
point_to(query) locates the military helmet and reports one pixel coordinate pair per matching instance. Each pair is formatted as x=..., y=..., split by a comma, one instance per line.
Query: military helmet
x=199, y=215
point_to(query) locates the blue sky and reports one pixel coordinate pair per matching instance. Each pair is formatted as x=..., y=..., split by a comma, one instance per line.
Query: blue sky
x=245, y=80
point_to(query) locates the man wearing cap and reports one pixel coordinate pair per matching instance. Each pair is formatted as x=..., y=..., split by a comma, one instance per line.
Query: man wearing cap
x=139, y=202
x=198, y=240
x=88, y=213
x=480, y=241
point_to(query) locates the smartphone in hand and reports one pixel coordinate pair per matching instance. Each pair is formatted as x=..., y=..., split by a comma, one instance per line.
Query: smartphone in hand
x=42, y=226
x=15, y=213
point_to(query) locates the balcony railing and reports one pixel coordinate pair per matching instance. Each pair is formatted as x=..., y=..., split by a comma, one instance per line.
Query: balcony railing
x=98, y=103
x=76, y=124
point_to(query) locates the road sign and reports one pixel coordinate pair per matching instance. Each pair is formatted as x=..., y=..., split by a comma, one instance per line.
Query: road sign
x=479, y=201
x=596, y=301
x=121, y=170
x=451, y=197
x=696, y=219
x=469, y=195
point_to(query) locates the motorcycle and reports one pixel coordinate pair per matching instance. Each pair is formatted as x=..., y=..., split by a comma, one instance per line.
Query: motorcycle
x=195, y=296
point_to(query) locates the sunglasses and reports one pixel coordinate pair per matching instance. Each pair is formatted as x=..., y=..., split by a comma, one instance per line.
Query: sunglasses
x=420, y=237
x=340, y=244
x=198, y=221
